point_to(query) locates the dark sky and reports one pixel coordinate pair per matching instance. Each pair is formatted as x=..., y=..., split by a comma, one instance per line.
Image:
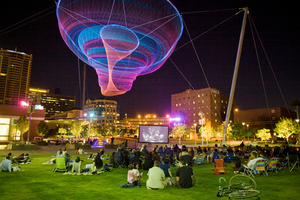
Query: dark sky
x=277, y=23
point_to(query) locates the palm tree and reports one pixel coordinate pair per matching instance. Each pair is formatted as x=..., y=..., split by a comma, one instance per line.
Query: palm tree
x=296, y=103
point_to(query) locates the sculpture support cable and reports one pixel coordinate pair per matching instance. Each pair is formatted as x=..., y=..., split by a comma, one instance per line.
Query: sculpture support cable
x=120, y=39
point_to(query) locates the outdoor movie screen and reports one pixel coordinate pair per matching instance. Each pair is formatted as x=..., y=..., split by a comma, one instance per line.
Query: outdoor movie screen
x=153, y=134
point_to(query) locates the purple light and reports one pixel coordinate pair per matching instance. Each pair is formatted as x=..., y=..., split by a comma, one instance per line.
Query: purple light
x=120, y=39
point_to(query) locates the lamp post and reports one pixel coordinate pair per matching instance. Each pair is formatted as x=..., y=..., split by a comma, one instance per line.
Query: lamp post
x=201, y=114
x=195, y=133
x=90, y=116
x=297, y=120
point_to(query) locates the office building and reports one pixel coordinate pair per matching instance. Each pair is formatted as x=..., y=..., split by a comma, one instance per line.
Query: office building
x=15, y=70
x=105, y=112
x=204, y=106
x=53, y=103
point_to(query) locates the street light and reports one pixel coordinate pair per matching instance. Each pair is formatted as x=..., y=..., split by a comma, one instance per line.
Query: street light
x=195, y=132
x=91, y=115
x=201, y=114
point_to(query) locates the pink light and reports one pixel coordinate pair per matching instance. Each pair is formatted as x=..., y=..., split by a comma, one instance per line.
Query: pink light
x=23, y=103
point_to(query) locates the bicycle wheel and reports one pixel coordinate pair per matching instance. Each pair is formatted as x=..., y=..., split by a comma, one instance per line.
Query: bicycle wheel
x=242, y=182
x=243, y=194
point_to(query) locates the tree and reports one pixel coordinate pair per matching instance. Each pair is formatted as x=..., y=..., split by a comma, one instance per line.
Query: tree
x=62, y=131
x=180, y=130
x=219, y=131
x=286, y=127
x=42, y=128
x=22, y=125
x=296, y=103
x=237, y=131
x=263, y=134
x=249, y=133
x=94, y=132
x=207, y=131
x=76, y=128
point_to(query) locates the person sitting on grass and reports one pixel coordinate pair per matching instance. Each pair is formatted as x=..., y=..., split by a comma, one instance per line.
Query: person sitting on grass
x=165, y=166
x=133, y=176
x=5, y=165
x=98, y=161
x=76, y=167
x=148, y=161
x=13, y=160
x=25, y=159
x=251, y=163
x=156, y=178
x=184, y=176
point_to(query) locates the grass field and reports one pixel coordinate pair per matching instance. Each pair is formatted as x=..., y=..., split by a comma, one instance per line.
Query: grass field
x=37, y=181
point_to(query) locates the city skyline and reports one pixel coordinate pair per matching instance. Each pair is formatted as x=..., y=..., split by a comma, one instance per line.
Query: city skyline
x=54, y=64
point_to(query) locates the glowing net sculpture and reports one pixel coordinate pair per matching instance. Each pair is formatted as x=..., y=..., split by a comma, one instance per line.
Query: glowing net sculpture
x=120, y=39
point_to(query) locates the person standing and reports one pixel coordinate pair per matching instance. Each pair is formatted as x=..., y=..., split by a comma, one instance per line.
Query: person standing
x=156, y=178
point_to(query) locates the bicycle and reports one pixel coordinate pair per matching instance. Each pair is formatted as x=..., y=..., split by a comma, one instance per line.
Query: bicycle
x=240, y=187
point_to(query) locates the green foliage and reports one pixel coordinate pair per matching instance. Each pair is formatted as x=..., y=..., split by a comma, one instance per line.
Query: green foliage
x=219, y=131
x=286, y=127
x=37, y=181
x=22, y=125
x=62, y=131
x=263, y=134
x=76, y=128
x=237, y=131
x=207, y=132
x=42, y=128
x=180, y=129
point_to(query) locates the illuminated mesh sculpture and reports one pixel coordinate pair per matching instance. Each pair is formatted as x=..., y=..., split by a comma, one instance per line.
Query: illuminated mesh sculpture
x=120, y=39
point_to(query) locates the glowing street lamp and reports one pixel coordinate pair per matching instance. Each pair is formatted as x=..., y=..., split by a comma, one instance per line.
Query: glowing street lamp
x=91, y=115
x=195, y=132
x=201, y=114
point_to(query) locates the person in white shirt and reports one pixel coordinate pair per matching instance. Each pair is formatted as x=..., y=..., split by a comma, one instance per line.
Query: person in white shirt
x=5, y=165
x=156, y=178
x=251, y=163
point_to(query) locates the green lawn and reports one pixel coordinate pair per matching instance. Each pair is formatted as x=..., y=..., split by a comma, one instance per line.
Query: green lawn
x=37, y=181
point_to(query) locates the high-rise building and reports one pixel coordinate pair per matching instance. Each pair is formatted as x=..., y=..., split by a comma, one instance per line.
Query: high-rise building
x=15, y=70
x=204, y=106
x=106, y=113
x=53, y=103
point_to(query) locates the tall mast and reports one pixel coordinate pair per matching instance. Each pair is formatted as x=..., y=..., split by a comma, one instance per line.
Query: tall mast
x=83, y=87
x=236, y=69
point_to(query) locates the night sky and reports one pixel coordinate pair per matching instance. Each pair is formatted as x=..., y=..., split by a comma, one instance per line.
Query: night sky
x=31, y=27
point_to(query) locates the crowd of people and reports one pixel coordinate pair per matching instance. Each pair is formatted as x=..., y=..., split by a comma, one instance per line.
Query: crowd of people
x=159, y=161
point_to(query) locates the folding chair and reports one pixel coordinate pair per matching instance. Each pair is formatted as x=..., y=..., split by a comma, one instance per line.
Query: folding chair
x=60, y=165
x=272, y=165
x=259, y=168
x=199, y=160
x=219, y=169
x=120, y=160
x=293, y=162
x=133, y=158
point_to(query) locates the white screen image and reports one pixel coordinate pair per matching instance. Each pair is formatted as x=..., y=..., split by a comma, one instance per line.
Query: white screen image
x=154, y=134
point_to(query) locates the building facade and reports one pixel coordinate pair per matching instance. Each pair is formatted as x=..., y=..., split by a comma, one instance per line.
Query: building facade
x=15, y=71
x=9, y=116
x=106, y=112
x=54, y=103
x=149, y=119
x=263, y=117
x=204, y=106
